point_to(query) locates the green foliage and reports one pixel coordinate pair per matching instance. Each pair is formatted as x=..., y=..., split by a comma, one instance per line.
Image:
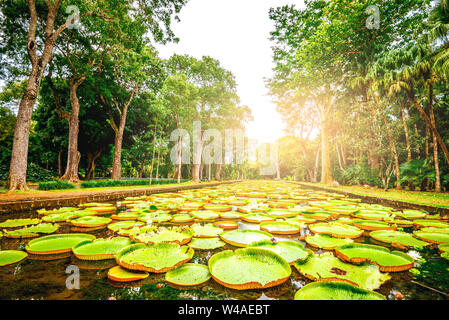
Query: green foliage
x=358, y=174
x=56, y=185
x=35, y=173
x=417, y=171
x=116, y=183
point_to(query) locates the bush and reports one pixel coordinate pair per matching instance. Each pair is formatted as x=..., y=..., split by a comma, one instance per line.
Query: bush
x=115, y=183
x=35, y=173
x=359, y=174
x=56, y=185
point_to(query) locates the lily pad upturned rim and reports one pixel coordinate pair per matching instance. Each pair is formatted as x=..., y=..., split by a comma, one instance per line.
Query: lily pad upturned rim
x=101, y=221
x=101, y=256
x=383, y=268
x=12, y=256
x=264, y=226
x=170, y=276
x=357, y=232
x=227, y=225
x=240, y=244
x=367, y=225
x=375, y=236
x=29, y=249
x=335, y=286
x=285, y=243
x=126, y=275
x=248, y=218
x=310, y=241
x=139, y=267
x=431, y=236
x=254, y=252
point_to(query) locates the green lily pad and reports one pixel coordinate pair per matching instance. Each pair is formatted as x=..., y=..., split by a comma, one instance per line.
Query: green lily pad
x=242, y=238
x=32, y=231
x=336, y=230
x=205, y=215
x=157, y=258
x=100, y=249
x=411, y=214
x=11, y=256
x=444, y=247
x=123, y=216
x=372, y=225
x=230, y=215
x=226, y=225
x=14, y=223
x=325, y=241
x=155, y=217
x=57, y=243
x=335, y=291
x=182, y=218
x=430, y=223
x=432, y=237
x=217, y=207
x=372, y=214
x=281, y=227
x=167, y=235
x=257, y=218
x=318, y=215
x=291, y=251
x=206, y=243
x=60, y=217
x=206, y=231
x=327, y=267
x=55, y=211
x=91, y=221
x=120, y=274
x=116, y=226
x=435, y=230
x=397, y=237
x=388, y=261
x=249, y=268
x=189, y=274
x=279, y=213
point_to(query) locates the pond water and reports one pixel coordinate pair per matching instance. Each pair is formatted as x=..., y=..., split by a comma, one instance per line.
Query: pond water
x=37, y=277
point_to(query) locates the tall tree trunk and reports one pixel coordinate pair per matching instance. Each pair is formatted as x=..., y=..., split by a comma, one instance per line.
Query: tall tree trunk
x=142, y=165
x=326, y=173
x=197, y=151
x=19, y=153
x=432, y=126
x=157, y=166
x=407, y=138
x=91, y=158
x=395, y=153
x=154, y=151
x=317, y=162
x=119, y=131
x=418, y=151
x=201, y=171
x=435, y=142
x=73, y=155
x=339, y=157
x=60, y=163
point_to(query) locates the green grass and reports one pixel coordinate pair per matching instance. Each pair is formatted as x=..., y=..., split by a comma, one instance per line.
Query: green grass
x=440, y=200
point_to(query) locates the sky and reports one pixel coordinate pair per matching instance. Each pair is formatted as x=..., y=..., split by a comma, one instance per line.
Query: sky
x=235, y=32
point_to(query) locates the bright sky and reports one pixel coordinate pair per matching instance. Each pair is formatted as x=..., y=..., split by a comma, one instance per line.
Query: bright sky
x=236, y=32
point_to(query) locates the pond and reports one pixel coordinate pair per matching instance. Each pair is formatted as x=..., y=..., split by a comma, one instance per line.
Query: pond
x=306, y=214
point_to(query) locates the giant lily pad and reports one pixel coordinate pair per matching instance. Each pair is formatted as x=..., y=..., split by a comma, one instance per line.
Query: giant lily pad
x=206, y=243
x=227, y=225
x=291, y=251
x=189, y=274
x=327, y=268
x=372, y=215
x=230, y=215
x=397, y=237
x=54, y=211
x=100, y=249
x=319, y=215
x=60, y=217
x=432, y=237
x=11, y=256
x=103, y=210
x=388, y=261
x=325, y=241
x=90, y=222
x=257, y=218
x=205, y=215
x=155, y=217
x=411, y=214
x=206, y=231
x=120, y=274
x=249, y=268
x=278, y=213
x=167, y=235
x=335, y=290
x=430, y=223
x=127, y=224
x=33, y=231
x=58, y=243
x=372, y=225
x=14, y=223
x=124, y=216
x=281, y=227
x=242, y=238
x=157, y=258
x=336, y=230
x=182, y=218
x=217, y=207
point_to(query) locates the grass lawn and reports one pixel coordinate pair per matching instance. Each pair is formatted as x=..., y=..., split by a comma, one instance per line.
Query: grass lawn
x=440, y=200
